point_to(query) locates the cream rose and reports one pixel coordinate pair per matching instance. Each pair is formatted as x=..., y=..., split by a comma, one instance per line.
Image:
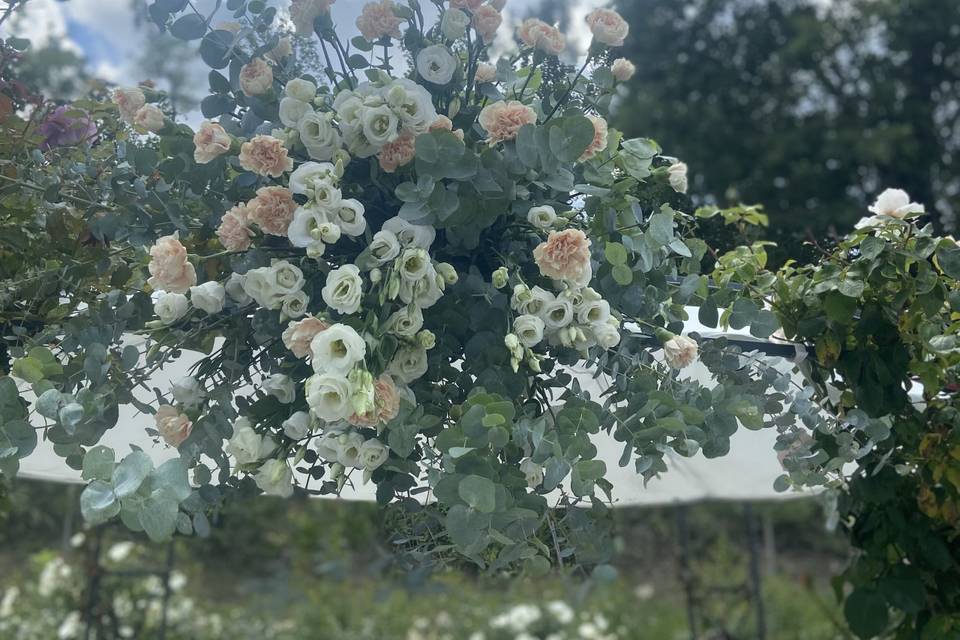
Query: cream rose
x=173, y=426
x=256, y=77
x=170, y=269
x=608, y=27
x=540, y=35
x=208, y=296
x=680, y=351
x=436, y=64
x=129, y=100
x=210, y=141
x=895, y=203
x=565, y=256
x=299, y=335
x=343, y=289
x=149, y=117
x=265, y=156
x=486, y=72
x=623, y=69
x=502, y=120
x=303, y=13
x=677, y=176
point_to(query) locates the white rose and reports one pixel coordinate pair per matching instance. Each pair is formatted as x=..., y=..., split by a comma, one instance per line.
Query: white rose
x=607, y=333
x=542, y=217
x=170, y=307
x=677, y=176
x=895, y=203
x=372, y=454
x=384, y=247
x=234, y=289
x=409, y=363
x=593, y=311
x=294, y=304
x=149, y=117
x=405, y=322
x=208, y=297
x=337, y=350
x=343, y=289
x=623, y=69
x=379, y=125
x=281, y=387
x=533, y=473
x=297, y=426
x=275, y=478
x=318, y=135
x=301, y=89
x=246, y=445
x=348, y=449
x=529, y=329
x=557, y=313
x=328, y=396
x=680, y=351
x=291, y=110
x=348, y=215
x=411, y=235
x=129, y=100
x=188, y=392
x=454, y=24
x=486, y=72
x=436, y=64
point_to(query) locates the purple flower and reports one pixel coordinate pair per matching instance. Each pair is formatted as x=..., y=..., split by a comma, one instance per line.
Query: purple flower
x=61, y=130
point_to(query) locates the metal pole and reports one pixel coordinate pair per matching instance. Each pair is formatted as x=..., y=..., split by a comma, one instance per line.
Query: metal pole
x=756, y=584
x=93, y=582
x=683, y=566
x=166, y=591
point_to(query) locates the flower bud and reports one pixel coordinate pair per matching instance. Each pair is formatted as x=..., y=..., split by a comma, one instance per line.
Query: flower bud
x=500, y=278
x=511, y=341
x=376, y=275
x=316, y=250
x=427, y=339
x=447, y=271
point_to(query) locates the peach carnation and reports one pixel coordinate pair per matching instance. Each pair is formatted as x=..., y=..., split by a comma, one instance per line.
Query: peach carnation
x=608, y=27
x=173, y=426
x=599, y=142
x=378, y=20
x=234, y=231
x=398, y=153
x=129, y=101
x=272, y=210
x=265, y=156
x=300, y=333
x=565, y=256
x=486, y=72
x=304, y=12
x=538, y=34
x=210, y=141
x=256, y=77
x=386, y=403
x=443, y=123
x=502, y=120
x=170, y=270
x=486, y=20
x=623, y=69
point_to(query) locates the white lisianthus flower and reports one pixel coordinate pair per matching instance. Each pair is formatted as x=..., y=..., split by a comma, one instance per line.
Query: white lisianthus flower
x=337, y=350
x=436, y=64
x=208, y=296
x=412, y=103
x=405, y=322
x=680, y=351
x=530, y=301
x=328, y=396
x=533, y=473
x=348, y=215
x=281, y=387
x=372, y=454
x=607, y=334
x=529, y=329
x=411, y=235
x=423, y=292
x=292, y=110
x=557, y=313
x=300, y=89
x=542, y=217
x=234, y=289
x=448, y=272
x=348, y=449
x=275, y=478
x=409, y=363
x=294, y=304
x=304, y=230
x=895, y=203
x=315, y=180
x=288, y=277
x=170, y=307
x=188, y=392
x=379, y=125
x=677, y=176
x=454, y=24
x=384, y=247
x=318, y=135
x=413, y=264
x=297, y=426
x=246, y=445
x=344, y=289
x=269, y=286
x=593, y=311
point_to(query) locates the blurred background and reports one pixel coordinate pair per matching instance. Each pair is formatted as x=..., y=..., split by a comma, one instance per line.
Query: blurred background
x=807, y=107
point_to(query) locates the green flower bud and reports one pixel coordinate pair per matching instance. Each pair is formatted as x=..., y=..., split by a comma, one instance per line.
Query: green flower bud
x=500, y=278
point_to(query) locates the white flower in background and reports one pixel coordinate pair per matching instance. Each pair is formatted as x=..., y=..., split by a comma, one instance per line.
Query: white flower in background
x=210, y=141
x=318, y=135
x=529, y=329
x=270, y=285
x=246, y=445
x=384, y=247
x=301, y=89
x=485, y=72
x=9, y=599
x=328, y=395
x=412, y=103
x=518, y=618
x=623, y=69
x=53, y=576
x=297, y=426
x=607, y=334
x=208, y=296
x=436, y=64
x=379, y=125
x=317, y=181
x=411, y=235
x=454, y=24
x=348, y=215
x=303, y=13
x=561, y=611
x=120, y=551
x=895, y=203
x=281, y=387
x=149, y=117
x=129, y=100
x=71, y=627
x=348, y=449
x=677, y=176
x=530, y=301
x=234, y=289
x=557, y=313
x=292, y=110
x=409, y=363
x=337, y=350
x=593, y=311
x=188, y=392
x=344, y=289
x=542, y=217
x=275, y=478
x=294, y=305
x=170, y=307
x=283, y=49
x=532, y=472
x=372, y=454
x=680, y=351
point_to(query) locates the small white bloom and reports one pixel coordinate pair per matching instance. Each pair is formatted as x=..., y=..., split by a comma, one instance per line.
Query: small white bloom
x=344, y=289
x=170, y=307
x=529, y=329
x=348, y=215
x=208, y=296
x=246, y=445
x=318, y=135
x=275, y=478
x=384, y=247
x=895, y=203
x=188, y=392
x=593, y=311
x=557, y=313
x=304, y=230
x=337, y=350
x=623, y=69
x=120, y=551
x=348, y=449
x=292, y=110
x=379, y=125
x=372, y=454
x=561, y=611
x=281, y=387
x=530, y=301
x=405, y=322
x=677, y=176
x=329, y=396
x=411, y=235
x=542, y=217
x=413, y=264
x=454, y=24
x=486, y=72
x=294, y=304
x=300, y=89
x=436, y=64
x=297, y=426
x=607, y=334
x=680, y=351
x=408, y=364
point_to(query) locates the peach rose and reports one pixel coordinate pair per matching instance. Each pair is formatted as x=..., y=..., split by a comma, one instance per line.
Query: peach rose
x=234, y=231
x=377, y=20
x=272, y=210
x=608, y=27
x=537, y=33
x=443, y=123
x=623, y=69
x=170, y=270
x=210, y=141
x=149, y=117
x=599, y=138
x=256, y=77
x=265, y=156
x=386, y=402
x=502, y=120
x=128, y=100
x=300, y=333
x=174, y=427
x=565, y=256
x=486, y=20
x=398, y=153
x=486, y=72
x=304, y=12
x=283, y=49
